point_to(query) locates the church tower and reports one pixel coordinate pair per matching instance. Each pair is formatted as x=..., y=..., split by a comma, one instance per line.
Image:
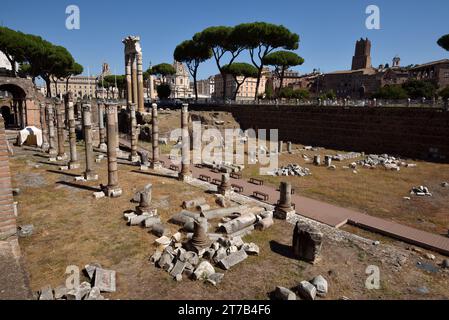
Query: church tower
x=362, y=56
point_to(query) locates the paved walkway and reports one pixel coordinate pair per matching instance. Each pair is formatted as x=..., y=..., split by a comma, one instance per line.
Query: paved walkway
x=334, y=216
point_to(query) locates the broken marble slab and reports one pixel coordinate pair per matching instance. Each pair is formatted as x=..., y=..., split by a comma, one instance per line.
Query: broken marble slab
x=105, y=280
x=233, y=259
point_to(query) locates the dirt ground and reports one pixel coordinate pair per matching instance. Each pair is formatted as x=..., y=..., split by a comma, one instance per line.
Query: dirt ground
x=71, y=228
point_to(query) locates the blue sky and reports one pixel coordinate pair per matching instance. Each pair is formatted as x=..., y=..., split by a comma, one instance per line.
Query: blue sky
x=328, y=28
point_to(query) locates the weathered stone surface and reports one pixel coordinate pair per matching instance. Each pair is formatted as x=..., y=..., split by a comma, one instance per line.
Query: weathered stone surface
x=321, y=285
x=307, y=290
x=239, y=223
x=105, y=280
x=178, y=269
x=203, y=271
x=25, y=231
x=251, y=249
x=61, y=292
x=307, y=242
x=150, y=222
x=223, y=212
x=233, y=259
x=156, y=257
x=94, y=294
x=164, y=240
x=158, y=229
x=181, y=218
x=264, y=224
x=46, y=293
x=215, y=278
x=220, y=254
x=282, y=293
x=193, y=203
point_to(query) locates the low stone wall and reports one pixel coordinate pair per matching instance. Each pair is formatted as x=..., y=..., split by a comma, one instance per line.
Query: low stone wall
x=7, y=217
x=420, y=133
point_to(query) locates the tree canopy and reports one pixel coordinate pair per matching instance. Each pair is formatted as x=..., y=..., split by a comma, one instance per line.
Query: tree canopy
x=192, y=53
x=444, y=93
x=443, y=42
x=282, y=60
x=262, y=38
x=37, y=56
x=393, y=92
x=163, y=91
x=162, y=69
x=417, y=89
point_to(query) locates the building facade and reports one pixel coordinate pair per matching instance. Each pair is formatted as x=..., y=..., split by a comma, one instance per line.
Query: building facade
x=180, y=82
x=247, y=90
x=436, y=72
x=206, y=87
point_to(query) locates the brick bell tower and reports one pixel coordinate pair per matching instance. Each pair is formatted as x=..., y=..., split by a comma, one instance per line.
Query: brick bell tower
x=362, y=56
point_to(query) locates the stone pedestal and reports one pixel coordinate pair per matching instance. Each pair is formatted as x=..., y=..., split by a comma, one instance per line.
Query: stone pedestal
x=284, y=208
x=307, y=243
x=289, y=147
x=185, y=174
x=145, y=201
x=328, y=161
x=60, y=124
x=200, y=240
x=317, y=160
x=51, y=131
x=74, y=163
x=89, y=174
x=112, y=189
x=225, y=187
x=155, y=137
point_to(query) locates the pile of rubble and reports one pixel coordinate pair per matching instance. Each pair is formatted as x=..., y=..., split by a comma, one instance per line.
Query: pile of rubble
x=346, y=156
x=388, y=162
x=224, y=167
x=176, y=257
x=421, y=191
x=100, y=280
x=307, y=290
x=291, y=170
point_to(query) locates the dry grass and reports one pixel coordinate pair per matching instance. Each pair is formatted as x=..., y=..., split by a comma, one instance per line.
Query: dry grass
x=71, y=228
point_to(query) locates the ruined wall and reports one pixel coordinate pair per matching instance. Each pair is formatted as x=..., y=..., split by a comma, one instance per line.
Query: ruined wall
x=421, y=133
x=7, y=216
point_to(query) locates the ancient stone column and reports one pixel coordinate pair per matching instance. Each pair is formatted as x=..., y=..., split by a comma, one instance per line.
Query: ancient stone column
x=112, y=189
x=134, y=77
x=89, y=174
x=185, y=173
x=44, y=128
x=51, y=131
x=129, y=88
x=289, y=147
x=155, y=136
x=284, y=207
x=134, y=157
x=73, y=164
x=317, y=160
x=328, y=161
x=117, y=130
x=140, y=98
x=281, y=146
x=145, y=200
x=225, y=187
x=102, y=146
x=200, y=240
x=60, y=123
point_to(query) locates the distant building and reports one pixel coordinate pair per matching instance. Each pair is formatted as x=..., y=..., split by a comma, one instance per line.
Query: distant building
x=206, y=87
x=247, y=90
x=362, y=80
x=180, y=82
x=82, y=86
x=436, y=72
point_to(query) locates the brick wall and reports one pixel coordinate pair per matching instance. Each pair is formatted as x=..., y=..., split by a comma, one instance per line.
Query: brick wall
x=7, y=217
x=419, y=133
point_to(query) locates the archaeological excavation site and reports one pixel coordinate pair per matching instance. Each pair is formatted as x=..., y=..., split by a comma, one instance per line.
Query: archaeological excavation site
x=257, y=185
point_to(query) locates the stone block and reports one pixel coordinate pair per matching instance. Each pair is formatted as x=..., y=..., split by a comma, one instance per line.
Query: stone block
x=233, y=259
x=105, y=280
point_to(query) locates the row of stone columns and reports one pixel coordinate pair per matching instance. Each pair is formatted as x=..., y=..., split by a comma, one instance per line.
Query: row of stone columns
x=134, y=72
